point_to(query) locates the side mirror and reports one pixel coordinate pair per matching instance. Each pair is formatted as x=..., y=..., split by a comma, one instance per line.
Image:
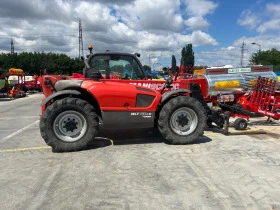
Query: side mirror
x=168, y=82
x=93, y=74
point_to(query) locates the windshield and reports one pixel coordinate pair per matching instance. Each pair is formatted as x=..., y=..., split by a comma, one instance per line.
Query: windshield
x=117, y=66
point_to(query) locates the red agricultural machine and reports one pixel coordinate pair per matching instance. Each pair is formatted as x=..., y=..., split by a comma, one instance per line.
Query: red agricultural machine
x=32, y=83
x=14, y=83
x=115, y=92
x=12, y=88
x=261, y=99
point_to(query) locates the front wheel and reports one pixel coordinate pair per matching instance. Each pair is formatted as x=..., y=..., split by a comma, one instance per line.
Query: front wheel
x=182, y=120
x=69, y=124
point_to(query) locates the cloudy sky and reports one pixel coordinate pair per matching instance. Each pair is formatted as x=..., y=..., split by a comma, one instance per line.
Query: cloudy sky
x=155, y=28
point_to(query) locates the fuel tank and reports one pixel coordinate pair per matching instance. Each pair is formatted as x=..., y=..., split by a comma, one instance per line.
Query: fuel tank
x=230, y=83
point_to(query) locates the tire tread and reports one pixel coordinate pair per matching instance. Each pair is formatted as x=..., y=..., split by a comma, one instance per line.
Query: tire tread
x=172, y=105
x=57, y=107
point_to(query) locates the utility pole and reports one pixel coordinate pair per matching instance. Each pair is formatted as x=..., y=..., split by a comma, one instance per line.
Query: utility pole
x=12, y=46
x=242, y=53
x=81, y=49
x=150, y=61
x=260, y=47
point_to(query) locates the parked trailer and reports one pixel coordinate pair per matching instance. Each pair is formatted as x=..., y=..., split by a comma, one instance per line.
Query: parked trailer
x=263, y=98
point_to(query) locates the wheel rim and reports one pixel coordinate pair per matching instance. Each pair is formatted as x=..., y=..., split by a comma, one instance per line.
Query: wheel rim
x=183, y=121
x=70, y=126
x=242, y=124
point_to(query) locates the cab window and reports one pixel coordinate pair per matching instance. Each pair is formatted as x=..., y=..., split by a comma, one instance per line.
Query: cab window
x=117, y=67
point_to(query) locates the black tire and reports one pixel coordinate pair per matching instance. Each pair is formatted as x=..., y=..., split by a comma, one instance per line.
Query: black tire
x=209, y=123
x=78, y=115
x=193, y=119
x=240, y=124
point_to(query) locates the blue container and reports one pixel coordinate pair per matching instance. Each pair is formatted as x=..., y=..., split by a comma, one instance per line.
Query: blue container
x=277, y=73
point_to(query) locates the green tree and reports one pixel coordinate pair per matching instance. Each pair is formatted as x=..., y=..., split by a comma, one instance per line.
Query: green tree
x=39, y=62
x=187, y=58
x=146, y=67
x=268, y=57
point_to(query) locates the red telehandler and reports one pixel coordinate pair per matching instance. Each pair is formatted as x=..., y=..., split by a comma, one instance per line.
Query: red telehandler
x=73, y=108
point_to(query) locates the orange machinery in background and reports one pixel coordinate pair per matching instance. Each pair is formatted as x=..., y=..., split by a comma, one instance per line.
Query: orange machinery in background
x=16, y=90
x=14, y=71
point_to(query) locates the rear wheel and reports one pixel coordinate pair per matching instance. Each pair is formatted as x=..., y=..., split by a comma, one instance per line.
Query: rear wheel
x=182, y=120
x=240, y=124
x=69, y=124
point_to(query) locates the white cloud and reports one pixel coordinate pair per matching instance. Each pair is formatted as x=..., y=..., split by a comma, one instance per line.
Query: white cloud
x=269, y=25
x=230, y=48
x=273, y=9
x=248, y=19
x=151, y=15
x=174, y=41
x=273, y=12
x=201, y=38
x=143, y=26
x=95, y=16
x=196, y=23
x=268, y=19
x=123, y=32
x=200, y=7
x=154, y=60
x=196, y=10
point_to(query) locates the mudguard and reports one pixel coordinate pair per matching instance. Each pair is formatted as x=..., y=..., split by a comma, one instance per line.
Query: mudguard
x=64, y=84
x=59, y=93
x=168, y=94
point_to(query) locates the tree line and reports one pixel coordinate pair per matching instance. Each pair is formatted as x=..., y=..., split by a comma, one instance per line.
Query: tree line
x=268, y=57
x=38, y=63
